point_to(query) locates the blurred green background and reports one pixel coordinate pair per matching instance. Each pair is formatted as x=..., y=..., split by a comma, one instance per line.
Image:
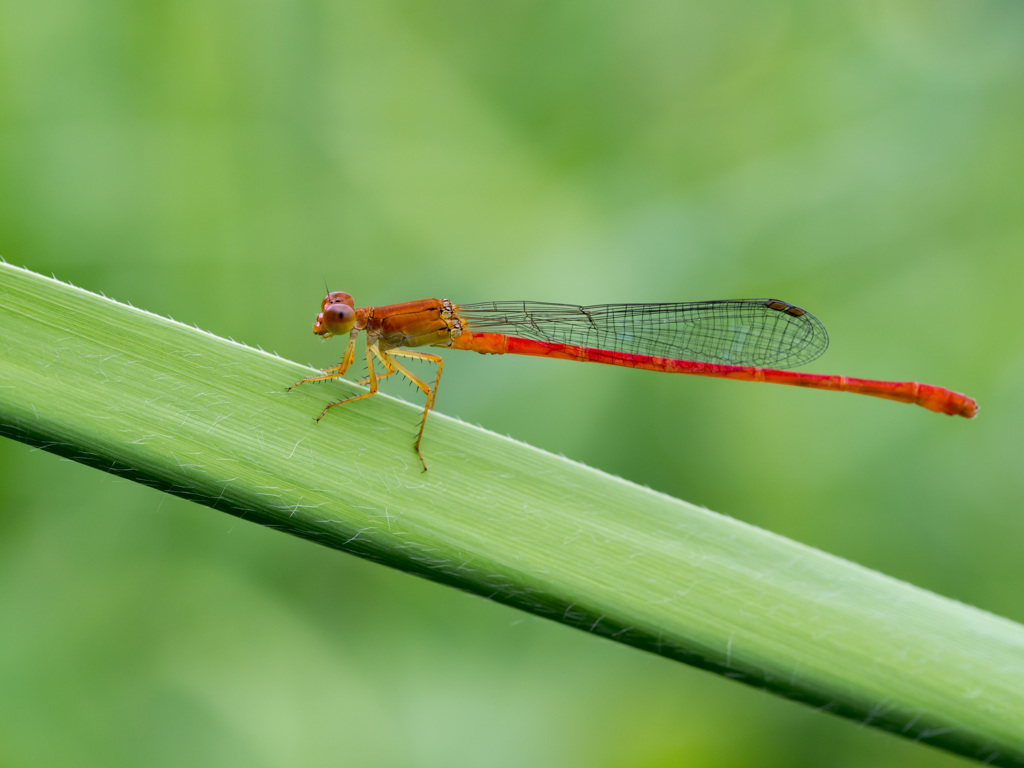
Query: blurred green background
x=217, y=161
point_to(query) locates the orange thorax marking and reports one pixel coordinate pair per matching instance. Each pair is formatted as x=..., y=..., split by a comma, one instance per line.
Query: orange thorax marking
x=411, y=324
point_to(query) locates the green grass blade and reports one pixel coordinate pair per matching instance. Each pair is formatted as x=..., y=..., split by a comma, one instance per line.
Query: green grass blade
x=209, y=420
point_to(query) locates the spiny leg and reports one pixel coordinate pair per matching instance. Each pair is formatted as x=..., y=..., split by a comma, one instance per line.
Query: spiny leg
x=326, y=377
x=335, y=371
x=430, y=392
x=386, y=361
x=372, y=379
x=391, y=366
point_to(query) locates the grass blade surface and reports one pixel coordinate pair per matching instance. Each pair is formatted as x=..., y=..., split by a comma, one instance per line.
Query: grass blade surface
x=209, y=420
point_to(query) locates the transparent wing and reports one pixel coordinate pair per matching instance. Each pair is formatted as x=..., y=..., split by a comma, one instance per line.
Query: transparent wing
x=767, y=333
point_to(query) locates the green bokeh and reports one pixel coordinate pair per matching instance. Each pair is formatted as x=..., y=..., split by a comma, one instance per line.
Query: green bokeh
x=217, y=162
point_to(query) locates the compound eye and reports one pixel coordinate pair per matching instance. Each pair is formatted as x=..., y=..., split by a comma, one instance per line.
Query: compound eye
x=336, y=319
